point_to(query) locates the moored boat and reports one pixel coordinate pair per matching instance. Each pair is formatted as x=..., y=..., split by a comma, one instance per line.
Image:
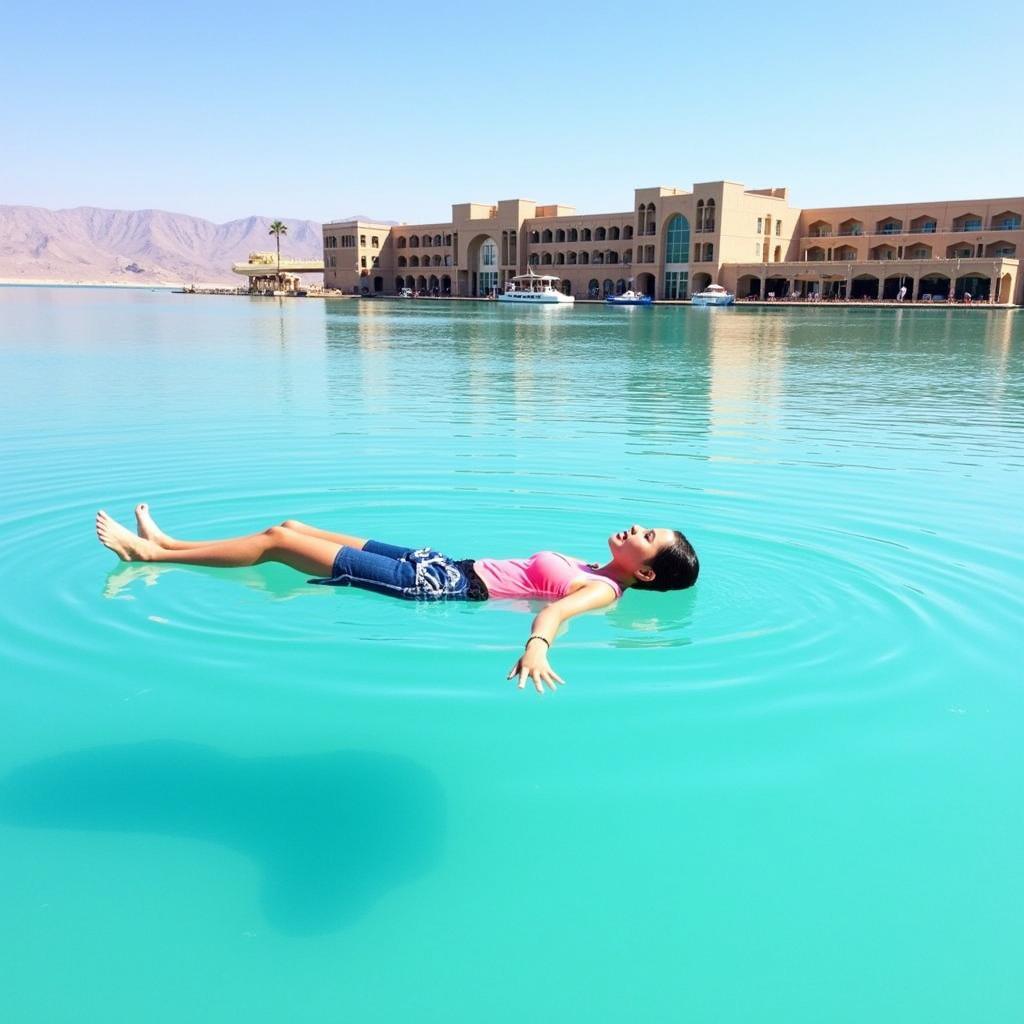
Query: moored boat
x=629, y=298
x=535, y=289
x=713, y=295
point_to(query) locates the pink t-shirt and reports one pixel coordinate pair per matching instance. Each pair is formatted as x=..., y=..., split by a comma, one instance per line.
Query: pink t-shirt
x=547, y=574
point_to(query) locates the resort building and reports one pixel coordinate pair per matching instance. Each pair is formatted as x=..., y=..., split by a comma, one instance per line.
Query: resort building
x=673, y=242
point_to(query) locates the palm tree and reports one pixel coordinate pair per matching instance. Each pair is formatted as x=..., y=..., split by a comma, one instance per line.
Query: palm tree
x=278, y=228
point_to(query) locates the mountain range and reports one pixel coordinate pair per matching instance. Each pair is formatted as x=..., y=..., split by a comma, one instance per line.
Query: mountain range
x=87, y=245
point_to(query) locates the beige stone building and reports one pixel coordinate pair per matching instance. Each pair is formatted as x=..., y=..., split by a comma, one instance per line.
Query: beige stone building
x=675, y=242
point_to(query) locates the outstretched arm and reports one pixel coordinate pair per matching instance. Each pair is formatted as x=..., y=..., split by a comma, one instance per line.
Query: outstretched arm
x=534, y=662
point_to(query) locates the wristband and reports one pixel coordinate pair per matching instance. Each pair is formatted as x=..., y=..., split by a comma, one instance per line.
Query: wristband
x=537, y=636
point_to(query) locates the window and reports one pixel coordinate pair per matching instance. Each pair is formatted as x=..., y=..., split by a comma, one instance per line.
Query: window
x=778, y=227
x=414, y=241
x=402, y=261
x=677, y=284
x=546, y=236
x=1011, y=222
x=585, y=235
x=599, y=234
x=362, y=261
x=488, y=254
x=760, y=225
x=376, y=261
x=627, y=231
x=574, y=235
x=534, y=236
x=362, y=239
x=677, y=240
x=709, y=252
x=401, y=242
x=375, y=242
x=348, y=241
x=709, y=216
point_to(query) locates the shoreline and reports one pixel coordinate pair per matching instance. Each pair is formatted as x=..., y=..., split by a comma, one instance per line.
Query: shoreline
x=223, y=289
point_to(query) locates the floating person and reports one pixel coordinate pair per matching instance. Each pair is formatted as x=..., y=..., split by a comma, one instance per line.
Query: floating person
x=643, y=558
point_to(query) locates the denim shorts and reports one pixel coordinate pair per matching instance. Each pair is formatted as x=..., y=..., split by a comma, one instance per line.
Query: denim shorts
x=417, y=574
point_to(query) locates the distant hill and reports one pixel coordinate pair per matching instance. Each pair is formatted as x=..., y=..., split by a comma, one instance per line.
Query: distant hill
x=90, y=245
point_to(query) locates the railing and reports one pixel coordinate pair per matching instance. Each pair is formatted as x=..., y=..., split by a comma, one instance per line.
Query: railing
x=849, y=232
x=927, y=229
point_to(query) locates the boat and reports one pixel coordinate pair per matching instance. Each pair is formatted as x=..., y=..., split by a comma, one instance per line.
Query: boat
x=713, y=295
x=629, y=298
x=535, y=289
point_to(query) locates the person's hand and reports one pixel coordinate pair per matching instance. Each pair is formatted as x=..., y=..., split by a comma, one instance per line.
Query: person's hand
x=534, y=665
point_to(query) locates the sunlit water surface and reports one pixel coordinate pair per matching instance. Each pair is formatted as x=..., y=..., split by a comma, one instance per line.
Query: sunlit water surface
x=790, y=795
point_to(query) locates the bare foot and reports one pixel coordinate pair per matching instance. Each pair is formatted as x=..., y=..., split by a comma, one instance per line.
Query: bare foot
x=146, y=526
x=123, y=542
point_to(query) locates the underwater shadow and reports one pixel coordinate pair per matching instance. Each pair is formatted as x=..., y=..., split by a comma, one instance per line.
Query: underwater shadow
x=333, y=833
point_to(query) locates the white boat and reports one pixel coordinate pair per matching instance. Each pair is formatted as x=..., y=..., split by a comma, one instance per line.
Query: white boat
x=535, y=289
x=629, y=298
x=713, y=295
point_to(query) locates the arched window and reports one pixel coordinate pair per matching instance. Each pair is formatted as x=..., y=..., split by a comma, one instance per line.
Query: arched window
x=584, y=258
x=700, y=214
x=534, y=259
x=560, y=258
x=627, y=256
x=611, y=256
x=593, y=287
x=437, y=261
x=414, y=241
x=534, y=236
x=399, y=284
x=571, y=258
x=574, y=235
x=677, y=240
x=546, y=259
x=560, y=235
x=651, y=221
x=414, y=261
x=600, y=234
x=598, y=257
x=608, y=287
x=546, y=235
x=709, y=252
x=447, y=239
x=437, y=239
x=778, y=254
x=585, y=235
x=613, y=234
x=402, y=261
x=401, y=242
x=709, y=216
x=627, y=231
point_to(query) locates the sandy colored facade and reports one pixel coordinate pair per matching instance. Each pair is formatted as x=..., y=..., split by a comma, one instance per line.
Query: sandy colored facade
x=674, y=242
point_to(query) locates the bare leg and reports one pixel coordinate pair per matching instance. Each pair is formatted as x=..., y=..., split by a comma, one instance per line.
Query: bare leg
x=311, y=555
x=148, y=529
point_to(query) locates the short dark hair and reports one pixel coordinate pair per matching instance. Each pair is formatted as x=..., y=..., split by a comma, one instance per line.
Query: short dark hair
x=675, y=566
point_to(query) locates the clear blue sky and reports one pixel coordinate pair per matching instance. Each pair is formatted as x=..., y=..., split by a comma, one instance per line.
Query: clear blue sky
x=397, y=110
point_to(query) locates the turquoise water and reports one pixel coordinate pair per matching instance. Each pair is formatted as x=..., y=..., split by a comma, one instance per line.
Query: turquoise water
x=789, y=795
